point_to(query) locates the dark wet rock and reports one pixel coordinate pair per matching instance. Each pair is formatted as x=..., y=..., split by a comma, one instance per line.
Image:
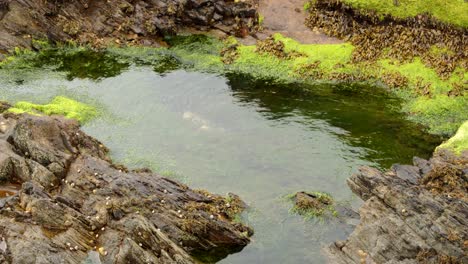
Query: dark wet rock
x=411, y=214
x=4, y=106
x=100, y=23
x=75, y=205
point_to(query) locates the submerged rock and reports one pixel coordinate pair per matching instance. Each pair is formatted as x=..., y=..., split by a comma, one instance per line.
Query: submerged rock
x=75, y=205
x=411, y=214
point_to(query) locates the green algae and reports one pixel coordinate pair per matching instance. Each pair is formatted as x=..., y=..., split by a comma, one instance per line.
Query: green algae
x=325, y=62
x=426, y=94
x=459, y=142
x=448, y=11
x=58, y=106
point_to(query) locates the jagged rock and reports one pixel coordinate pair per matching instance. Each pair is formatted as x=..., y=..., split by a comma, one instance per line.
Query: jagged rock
x=76, y=206
x=411, y=214
x=99, y=23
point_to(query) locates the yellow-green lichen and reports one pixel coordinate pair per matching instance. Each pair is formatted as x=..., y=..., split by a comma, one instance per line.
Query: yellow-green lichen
x=459, y=142
x=58, y=106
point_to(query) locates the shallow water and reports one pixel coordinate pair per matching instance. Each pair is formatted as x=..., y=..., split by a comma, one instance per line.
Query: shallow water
x=232, y=134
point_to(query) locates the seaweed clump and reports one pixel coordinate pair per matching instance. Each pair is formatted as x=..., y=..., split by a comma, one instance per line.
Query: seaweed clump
x=277, y=48
x=229, y=54
x=271, y=46
x=448, y=178
x=375, y=36
x=313, y=204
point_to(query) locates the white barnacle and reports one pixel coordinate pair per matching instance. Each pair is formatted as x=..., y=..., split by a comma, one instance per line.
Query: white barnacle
x=179, y=211
x=108, y=198
x=140, y=244
x=102, y=229
x=97, y=235
x=95, y=174
x=181, y=216
x=165, y=191
x=66, y=181
x=153, y=211
x=94, y=191
x=211, y=216
x=228, y=205
x=107, y=203
x=71, y=248
x=162, y=201
x=78, y=171
x=68, y=244
x=76, y=247
x=72, y=184
x=139, y=233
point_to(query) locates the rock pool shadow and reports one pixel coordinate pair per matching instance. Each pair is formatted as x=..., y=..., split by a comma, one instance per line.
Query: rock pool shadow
x=81, y=63
x=360, y=115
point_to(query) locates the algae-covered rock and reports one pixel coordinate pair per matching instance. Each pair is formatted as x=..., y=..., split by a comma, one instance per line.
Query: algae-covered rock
x=313, y=204
x=58, y=106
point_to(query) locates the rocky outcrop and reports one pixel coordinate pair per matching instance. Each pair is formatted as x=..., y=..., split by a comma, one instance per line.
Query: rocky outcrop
x=411, y=214
x=75, y=205
x=100, y=23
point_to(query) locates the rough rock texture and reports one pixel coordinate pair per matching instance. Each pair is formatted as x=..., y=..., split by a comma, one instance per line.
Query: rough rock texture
x=412, y=214
x=100, y=22
x=75, y=204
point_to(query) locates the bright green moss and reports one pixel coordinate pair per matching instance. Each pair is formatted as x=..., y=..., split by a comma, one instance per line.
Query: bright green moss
x=459, y=142
x=441, y=113
x=416, y=71
x=261, y=66
x=449, y=11
x=269, y=66
x=59, y=106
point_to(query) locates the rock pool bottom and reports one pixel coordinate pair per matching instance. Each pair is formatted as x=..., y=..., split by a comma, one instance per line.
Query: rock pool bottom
x=252, y=138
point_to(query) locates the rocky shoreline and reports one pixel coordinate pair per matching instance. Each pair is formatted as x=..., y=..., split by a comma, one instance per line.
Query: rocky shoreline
x=120, y=22
x=74, y=205
x=411, y=214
